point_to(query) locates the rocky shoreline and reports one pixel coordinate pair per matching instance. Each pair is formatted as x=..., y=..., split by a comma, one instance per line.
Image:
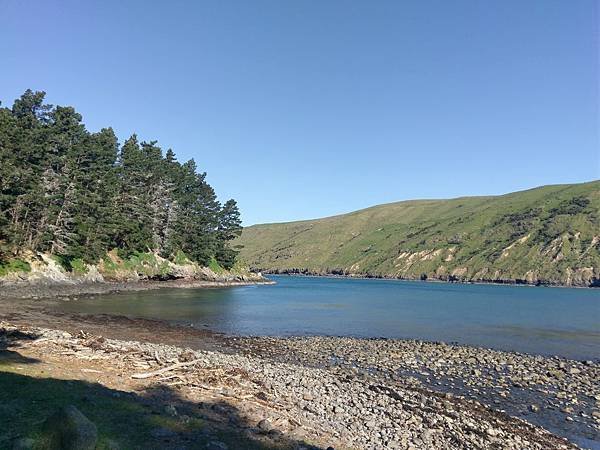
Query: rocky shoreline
x=594, y=282
x=42, y=276
x=49, y=289
x=346, y=393
x=558, y=394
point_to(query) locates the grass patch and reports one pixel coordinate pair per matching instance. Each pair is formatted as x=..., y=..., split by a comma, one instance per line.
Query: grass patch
x=147, y=264
x=181, y=258
x=14, y=265
x=79, y=267
x=479, y=229
x=25, y=401
x=124, y=420
x=109, y=265
x=75, y=265
x=215, y=266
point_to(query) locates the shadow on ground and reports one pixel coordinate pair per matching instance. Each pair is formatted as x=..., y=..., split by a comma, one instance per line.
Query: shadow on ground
x=158, y=418
x=9, y=340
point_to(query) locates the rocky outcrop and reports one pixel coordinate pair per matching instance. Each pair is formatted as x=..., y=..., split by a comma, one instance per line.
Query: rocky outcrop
x=46, y=270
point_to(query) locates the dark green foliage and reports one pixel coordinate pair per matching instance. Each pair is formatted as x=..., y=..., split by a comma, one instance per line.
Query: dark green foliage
x=574, y=205
x=76, y=194
x=229, y=228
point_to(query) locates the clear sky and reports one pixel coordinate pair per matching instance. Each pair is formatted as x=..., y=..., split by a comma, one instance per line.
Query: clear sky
x=306, y=108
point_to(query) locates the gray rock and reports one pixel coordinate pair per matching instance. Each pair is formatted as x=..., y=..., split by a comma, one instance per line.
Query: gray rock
x=162, y=433
x=371, y=424
x=23, y=444
x=216, y=445
x=69, y=429
x=171, y=410
x=534, y=408
x=113, y=445
x=265, y=425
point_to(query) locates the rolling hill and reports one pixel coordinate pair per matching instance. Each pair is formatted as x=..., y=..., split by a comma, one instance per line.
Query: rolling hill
x=547, y=235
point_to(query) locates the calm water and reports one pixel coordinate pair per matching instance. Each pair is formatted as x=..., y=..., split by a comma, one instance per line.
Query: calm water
x=540, y=320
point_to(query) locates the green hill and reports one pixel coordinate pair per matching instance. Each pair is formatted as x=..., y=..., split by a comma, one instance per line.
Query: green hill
x=546, y=235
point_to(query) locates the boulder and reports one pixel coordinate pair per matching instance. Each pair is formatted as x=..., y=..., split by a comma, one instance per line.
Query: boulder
x=24, y=444
x=69, y=429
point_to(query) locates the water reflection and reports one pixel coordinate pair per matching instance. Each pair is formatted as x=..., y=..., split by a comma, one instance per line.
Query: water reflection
x=535, y=320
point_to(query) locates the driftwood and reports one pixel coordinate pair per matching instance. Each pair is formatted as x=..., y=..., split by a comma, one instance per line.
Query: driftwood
x=141, y=376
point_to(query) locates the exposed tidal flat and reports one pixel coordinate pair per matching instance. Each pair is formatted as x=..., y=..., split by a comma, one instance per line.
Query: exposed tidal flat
x=316, y=392
x=260, y=380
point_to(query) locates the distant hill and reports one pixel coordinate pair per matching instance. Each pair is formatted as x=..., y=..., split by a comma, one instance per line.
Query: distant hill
x=547, y=235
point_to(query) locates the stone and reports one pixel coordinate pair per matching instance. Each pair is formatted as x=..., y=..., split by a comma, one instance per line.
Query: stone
x=216, y=445
x=492, y=432
x=69, y=429
x=171, y=410
x=534, y=408
x=162, y=433
x=265, y=425
x=24, y=444
x=113, y=445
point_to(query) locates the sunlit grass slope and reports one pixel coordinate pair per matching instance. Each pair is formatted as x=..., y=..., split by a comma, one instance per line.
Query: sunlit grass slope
x=549, y=234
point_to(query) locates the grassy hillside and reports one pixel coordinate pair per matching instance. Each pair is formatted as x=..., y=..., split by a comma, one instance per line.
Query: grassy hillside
x=548, y=235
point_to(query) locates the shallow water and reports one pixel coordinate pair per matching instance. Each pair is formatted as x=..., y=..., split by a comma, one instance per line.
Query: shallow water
x=541, y=320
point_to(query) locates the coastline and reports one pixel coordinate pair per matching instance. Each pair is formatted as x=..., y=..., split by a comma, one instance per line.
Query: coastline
x=343, y=392
x=292, y=273
x=45, y=289
x=340, y=392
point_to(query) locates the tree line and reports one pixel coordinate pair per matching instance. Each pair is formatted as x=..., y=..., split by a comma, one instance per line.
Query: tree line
x=76, y=194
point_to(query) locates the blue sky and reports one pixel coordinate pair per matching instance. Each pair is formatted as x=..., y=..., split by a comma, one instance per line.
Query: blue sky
x=307, y=108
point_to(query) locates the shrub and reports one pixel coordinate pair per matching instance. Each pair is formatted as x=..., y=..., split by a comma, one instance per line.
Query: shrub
x=78, y=266
x=214, y=266
x=109, y=264
x=181, y=258
x=14, y=265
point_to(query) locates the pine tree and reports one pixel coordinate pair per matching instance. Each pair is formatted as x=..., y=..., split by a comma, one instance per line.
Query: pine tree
x=75, y=194
x=230, y=227
x=68, y=139
x=94, y=190
x=135, y=229
x=25, y=142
